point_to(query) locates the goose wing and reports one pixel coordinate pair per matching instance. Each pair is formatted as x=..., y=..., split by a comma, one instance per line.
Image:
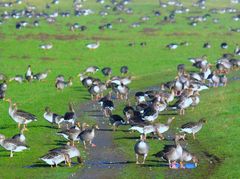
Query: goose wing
x=189, y=125
x=25, y=115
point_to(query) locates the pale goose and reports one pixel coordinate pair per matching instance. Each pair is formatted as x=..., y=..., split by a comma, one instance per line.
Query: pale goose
x=193, y=127
x=141, y=148
x=93, y=46
x=20, y=116
x=56, y=157
x=12, y=145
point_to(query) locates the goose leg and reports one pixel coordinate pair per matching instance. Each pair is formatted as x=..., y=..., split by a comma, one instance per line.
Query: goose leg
x=137, y=159
x=144, y=158
x=19, y=125
x=194, y=136
x=11, y=154
x=84, y=144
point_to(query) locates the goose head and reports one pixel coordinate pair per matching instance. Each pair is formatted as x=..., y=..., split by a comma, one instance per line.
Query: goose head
x=95, y=126
x=2, y=138
x=47, y=110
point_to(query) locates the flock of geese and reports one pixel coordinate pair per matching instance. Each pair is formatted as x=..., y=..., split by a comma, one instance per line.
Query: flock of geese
x=180, y=94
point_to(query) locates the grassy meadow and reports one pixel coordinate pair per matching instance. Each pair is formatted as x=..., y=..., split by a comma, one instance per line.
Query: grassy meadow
x=150, y=66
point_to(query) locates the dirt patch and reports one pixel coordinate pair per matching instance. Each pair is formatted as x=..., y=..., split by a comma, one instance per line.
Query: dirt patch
x=47, y=58
x=150, y=31
x=182, y=34
x=44, y=36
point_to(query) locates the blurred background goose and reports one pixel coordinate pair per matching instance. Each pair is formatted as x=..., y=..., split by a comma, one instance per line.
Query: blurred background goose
x=17, y=78
x=60, y=85
x=124, y=70
x=141, y=148
x=29, y=74
x=91, y=69
x=193, y=127
x=107, y=71
x=93, y=46
x=41, y=76
x=46, y=46
x=12, y=145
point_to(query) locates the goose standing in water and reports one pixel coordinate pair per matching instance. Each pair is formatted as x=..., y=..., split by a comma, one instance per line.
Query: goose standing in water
x=20, y=116
x=88, y=135
x=29, y=74
x=12, y=145
x=71, y=151
x=141, y=148
x=171, y=152
x=93, y=46
x=193, y=127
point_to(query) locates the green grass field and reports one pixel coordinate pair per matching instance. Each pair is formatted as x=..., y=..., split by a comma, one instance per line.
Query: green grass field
x=150, y=65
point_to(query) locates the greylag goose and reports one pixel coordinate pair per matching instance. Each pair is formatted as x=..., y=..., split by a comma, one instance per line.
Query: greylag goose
x=60, y=85
x=17, y=78
x=53, y=118
x=124, y=70
x=224, y=45
x=91, y=69
x=171, y=152
x=70, y=116
x=56, y=157
x=183, y=103
x=107, y=106
x=88, y=135
x=157, y=128
x=41, y=76
x=186, y=157
x=20, y=137
x=71, y=151
x=12, y=145
x=116, y=120
x=172, y=46
x=93, y=46
x=29, y=74
x=193, y=127
x=72, y=133
x=107, y=71
x=46, y=46
x=141, y=148
x=20, y=116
